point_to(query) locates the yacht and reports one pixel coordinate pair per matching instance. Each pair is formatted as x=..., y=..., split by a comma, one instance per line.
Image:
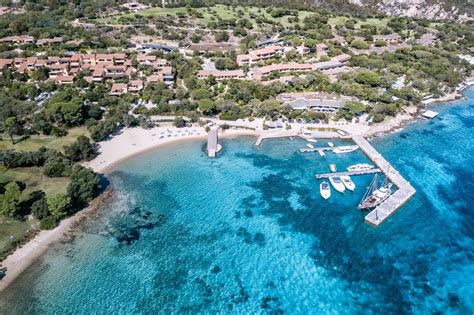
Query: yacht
x=360, y=167
x=309, y=145
x=325, y=190
x=375, y=194
x=345, y=149
x=330, y=144
x=337, y=183
x=347, y=181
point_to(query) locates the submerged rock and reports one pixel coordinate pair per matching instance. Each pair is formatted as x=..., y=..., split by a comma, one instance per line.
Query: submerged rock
x=128, y=229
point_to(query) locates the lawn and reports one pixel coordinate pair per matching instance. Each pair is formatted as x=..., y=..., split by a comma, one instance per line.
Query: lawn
x=51, y=142
x=34, y=180
x=340, y=20
x=217, y=11
x=12, y=231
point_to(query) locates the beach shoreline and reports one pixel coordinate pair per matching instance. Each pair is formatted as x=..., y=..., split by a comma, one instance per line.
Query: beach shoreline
x=132, y=142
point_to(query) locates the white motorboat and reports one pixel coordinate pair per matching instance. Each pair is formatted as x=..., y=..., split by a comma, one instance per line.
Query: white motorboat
x=337, y=183
x=311, y=140
x=360, y=167
x=325, y=190
x=332, y=168
x=347, y=181
x=321, y=152
x=309, y=145
x=330, y=144
x=345, y=149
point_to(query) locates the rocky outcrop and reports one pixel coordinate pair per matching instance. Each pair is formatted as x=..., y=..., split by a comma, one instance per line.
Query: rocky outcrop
x=429, y=9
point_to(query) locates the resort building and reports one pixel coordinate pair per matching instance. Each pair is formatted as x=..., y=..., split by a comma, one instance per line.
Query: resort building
x=390, y=38
x=64, y=79
x=49, y=41
x=222, y=74
x=135, y=86
x=101, y=67
x=319, y=102
x=259, y=72
x=259, y=55
x=118, y=89
x=18, y=40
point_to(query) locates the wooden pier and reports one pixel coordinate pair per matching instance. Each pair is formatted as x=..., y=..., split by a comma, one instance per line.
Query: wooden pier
x=350, y=173
x=212, y=145
x=396, y=200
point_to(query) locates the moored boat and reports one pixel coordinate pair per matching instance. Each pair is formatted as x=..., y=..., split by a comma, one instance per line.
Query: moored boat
x=360, y=167
x=321, y=152
x=330, y=144
x=333, y=168
x=337, y=183
x=375, y=194
x=345, y=149
x=311, y=140
x=348, y=183
x=325, y=190
x=309, y=145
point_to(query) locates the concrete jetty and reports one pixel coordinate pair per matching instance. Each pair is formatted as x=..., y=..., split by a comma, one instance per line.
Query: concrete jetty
x=212, y=145
x=294, y=133
x=349, y=173
x=396, y=200
x=275, y=135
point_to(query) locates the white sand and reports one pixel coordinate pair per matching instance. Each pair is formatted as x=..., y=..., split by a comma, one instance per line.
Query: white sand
x=132, y=141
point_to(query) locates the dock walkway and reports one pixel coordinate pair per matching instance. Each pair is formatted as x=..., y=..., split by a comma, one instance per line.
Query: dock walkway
x=402, y=195
x=212, y=146
x=281, y=134
x=349, y=173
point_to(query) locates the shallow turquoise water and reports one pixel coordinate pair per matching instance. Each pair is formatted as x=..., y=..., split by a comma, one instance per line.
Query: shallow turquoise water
x=249, y=233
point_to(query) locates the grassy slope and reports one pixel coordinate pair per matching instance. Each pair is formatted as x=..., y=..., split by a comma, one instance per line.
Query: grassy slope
x=11, y=231
x=34, y=179
x=36, y=142
x=221, y=11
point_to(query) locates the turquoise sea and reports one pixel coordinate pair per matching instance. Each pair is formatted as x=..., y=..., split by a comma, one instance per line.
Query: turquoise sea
x=249, y=233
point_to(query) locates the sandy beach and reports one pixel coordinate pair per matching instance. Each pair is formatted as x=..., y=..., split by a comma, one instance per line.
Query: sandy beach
x=133, y=141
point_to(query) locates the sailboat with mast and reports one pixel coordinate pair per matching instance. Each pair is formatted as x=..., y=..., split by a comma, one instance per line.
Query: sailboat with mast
x=376, y=194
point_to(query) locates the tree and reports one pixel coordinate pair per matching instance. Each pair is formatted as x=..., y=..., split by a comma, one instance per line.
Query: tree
x=57, y=166
x=207, y=106
x=350, y=109
x=380, y=43
x=84, y=185
x=10, y=200
x=222, y=36
x=40, y=208
x=11, y=127
x=360, y=44
x=58, y=205
x=179, y=122
x=81, y=150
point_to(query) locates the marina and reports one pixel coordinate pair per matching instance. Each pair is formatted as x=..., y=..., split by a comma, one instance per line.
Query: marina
x=396, y=200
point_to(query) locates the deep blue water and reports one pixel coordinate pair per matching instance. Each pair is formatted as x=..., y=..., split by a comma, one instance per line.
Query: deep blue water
x=248, y=233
